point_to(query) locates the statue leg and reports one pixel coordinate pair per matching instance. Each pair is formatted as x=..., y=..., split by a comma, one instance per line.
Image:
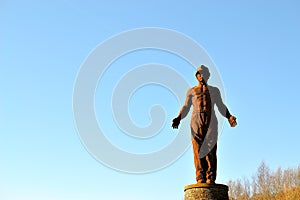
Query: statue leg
x=211, y=158
x=211, y=144
x=201, y=165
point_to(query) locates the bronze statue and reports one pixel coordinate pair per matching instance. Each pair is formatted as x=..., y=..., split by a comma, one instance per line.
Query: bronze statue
x=204, y=124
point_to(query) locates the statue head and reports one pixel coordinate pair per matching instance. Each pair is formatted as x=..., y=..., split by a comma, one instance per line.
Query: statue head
x=202, y=73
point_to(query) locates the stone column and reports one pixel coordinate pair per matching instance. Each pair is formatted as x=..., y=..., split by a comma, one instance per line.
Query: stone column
x=203, y=191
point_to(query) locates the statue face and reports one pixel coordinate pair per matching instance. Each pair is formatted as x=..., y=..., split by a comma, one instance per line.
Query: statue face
x=202, y=77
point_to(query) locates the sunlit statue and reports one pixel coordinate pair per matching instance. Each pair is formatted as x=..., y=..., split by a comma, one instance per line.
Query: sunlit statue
x=204, y=124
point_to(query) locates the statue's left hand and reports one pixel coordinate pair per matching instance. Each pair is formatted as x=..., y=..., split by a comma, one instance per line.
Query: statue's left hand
x=232, y=121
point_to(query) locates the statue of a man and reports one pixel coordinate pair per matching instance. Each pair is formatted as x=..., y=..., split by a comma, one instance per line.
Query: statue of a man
x=204, y=124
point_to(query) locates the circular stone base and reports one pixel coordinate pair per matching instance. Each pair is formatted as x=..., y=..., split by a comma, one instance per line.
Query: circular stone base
x=203, y=191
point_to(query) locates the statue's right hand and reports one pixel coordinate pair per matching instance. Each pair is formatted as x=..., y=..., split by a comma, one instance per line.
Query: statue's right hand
x=232, y=121
x=175, y=122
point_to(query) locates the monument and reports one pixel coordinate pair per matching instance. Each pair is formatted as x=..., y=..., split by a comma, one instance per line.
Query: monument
x=204, y=132
x=206, y=191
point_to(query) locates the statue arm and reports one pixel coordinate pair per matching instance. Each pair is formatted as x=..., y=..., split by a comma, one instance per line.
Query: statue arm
x=224, y=110
x=186, y=106
x=221, y=106
x=184, y=109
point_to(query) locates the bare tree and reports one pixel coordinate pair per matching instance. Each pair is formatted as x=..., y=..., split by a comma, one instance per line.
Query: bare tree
x=267, y=185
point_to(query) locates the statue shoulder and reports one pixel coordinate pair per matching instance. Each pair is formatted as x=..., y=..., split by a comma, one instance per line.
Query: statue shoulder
x=213, y=89
x=191, y=90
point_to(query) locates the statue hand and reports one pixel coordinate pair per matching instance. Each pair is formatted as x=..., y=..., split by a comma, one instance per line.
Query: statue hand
x=232, y=121
x=176, y=122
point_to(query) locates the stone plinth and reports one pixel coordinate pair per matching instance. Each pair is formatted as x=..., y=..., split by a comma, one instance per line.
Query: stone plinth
x=205, y=191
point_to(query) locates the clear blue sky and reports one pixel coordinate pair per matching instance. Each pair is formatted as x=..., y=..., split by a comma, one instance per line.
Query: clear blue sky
x=254, y=44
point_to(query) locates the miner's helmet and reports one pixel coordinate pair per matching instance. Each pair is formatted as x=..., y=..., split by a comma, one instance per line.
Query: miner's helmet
x=203, y=70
